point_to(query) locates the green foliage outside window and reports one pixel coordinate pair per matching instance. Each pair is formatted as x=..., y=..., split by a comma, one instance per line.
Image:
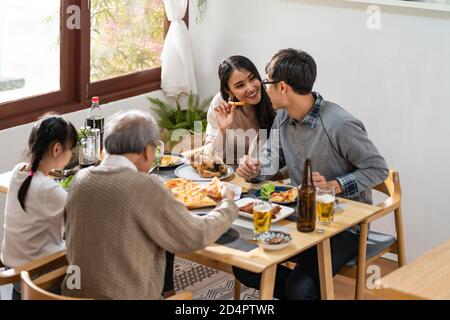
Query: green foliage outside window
x=126, y=36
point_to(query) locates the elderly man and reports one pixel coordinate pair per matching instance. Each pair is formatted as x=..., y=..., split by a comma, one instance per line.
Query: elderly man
x=121, y=221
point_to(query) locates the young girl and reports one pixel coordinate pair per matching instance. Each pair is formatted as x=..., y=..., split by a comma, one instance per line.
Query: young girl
x=34, y=204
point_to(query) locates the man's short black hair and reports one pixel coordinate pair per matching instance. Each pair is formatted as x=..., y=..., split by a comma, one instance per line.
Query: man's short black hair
x=295, y=67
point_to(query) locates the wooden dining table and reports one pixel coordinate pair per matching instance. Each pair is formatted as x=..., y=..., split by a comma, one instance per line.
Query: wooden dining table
x=265, y=262
x=427, y=277
x=259, y=260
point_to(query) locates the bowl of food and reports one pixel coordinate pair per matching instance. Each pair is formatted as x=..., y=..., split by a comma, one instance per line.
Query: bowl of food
x=274, y=240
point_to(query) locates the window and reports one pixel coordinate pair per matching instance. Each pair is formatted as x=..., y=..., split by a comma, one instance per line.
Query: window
x=126, y=37
x=29, y=48
x=45, y=65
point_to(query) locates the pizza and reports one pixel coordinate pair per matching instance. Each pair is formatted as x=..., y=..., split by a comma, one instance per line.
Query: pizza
x=194, y=195
x=214, y=189
x=237, y=104
x=284, y=196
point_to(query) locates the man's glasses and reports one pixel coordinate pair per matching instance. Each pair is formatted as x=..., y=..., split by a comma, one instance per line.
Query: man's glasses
x=265, y=82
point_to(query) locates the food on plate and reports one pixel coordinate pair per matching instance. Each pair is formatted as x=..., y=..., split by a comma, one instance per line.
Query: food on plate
x=276, y=240
x=208, y=166
x=168, y=160
x=192, y=194
x=248, y=208
x=214, y=189
x=237, y=104
x=66, y=182
x=284, y=196
x=266, y=190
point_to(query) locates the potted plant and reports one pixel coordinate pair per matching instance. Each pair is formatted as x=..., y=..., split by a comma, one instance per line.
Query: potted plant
x=171, y=118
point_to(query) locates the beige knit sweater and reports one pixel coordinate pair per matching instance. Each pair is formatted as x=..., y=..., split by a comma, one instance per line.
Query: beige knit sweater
x=118, y=226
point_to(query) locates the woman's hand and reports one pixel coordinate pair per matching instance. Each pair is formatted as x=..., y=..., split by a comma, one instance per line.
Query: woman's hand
x=225, y=115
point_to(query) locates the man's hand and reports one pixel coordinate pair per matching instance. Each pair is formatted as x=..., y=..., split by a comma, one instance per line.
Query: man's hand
x=320, y=182
x=249, y=168
x=227, y=193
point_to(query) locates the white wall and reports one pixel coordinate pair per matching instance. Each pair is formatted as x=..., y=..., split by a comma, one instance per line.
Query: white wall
x=396, y=80
x=13, y=141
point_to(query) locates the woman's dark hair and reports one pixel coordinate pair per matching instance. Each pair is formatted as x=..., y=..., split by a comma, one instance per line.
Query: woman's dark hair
x=49, y=130
x=295, y=67
x=264, y=110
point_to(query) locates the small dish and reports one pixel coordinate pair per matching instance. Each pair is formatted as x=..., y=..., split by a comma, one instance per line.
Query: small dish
x=274, y=240
x=170, y=160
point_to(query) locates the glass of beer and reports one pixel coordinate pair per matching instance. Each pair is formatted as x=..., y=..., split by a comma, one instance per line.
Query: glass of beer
x=325, y=197
x=262, y=216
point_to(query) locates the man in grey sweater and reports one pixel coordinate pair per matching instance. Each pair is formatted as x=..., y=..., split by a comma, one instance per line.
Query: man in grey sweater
x=307, y=126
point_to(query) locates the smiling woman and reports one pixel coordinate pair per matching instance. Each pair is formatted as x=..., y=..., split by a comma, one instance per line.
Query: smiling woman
x=240, y=84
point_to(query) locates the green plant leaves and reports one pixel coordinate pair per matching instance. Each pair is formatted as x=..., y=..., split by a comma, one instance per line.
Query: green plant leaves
x=176, y=117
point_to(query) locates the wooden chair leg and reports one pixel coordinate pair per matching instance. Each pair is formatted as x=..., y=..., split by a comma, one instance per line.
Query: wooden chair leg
x=237, y=289
x=400, y=237
x=361, y=267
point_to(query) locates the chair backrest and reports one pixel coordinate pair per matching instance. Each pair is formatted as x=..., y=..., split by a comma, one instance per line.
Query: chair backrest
x=390, y=187
x=185, y=295
x=30, y=291
x=34, y=267
x=37, y=289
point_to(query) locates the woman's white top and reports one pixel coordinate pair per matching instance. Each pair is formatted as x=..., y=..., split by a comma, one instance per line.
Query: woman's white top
x=242, y=137
x=37, y=232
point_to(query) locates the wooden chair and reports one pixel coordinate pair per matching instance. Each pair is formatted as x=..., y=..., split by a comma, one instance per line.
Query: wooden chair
x=34, y=267
x=373, y=245
x=37, y=289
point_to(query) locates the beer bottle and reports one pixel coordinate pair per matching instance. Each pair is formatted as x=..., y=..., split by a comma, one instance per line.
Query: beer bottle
x=306, y=201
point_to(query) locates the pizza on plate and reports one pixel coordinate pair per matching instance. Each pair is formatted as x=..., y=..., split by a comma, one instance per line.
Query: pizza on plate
x=194, y=195
x=284, y=196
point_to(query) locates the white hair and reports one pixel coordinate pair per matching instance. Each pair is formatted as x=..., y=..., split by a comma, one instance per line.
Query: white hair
x=130, y=132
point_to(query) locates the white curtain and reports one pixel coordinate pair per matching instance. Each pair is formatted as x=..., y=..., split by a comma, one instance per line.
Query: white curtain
x=177, y=66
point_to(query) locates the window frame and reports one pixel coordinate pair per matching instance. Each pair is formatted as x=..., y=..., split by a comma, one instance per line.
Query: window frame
x=75, y=86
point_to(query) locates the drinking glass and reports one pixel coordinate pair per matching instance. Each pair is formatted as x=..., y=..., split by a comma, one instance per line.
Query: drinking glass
x=159, y=153
x=325, y=198
x=262, y=216
x=87, y=152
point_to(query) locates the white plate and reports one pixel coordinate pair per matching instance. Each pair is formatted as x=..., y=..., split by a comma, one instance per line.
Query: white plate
x=187, y=172
x=284, y=212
